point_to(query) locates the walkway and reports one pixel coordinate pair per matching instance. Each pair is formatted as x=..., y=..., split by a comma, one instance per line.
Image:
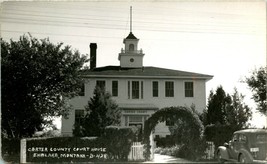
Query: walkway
x=167, y=159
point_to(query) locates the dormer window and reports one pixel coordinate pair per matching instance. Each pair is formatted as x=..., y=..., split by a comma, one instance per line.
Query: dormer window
x=131, y=47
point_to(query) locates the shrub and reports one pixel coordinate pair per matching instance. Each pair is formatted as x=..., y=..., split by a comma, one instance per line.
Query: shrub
x=10, y=149
x=172, y=151
x=165, y=142
x=119, y=141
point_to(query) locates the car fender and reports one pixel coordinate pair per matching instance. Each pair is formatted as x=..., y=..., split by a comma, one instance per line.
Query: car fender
x=224, y=152
x=247, y=154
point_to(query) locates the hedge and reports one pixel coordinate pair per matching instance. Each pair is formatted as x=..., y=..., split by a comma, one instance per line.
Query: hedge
x=113, y=145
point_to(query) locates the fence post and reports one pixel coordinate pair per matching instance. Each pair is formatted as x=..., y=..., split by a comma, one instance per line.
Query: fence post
x=210, y=150
x=23, y=151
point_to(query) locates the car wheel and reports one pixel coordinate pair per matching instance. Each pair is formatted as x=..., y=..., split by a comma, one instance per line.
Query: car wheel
x=219, y=157
x=242, y=159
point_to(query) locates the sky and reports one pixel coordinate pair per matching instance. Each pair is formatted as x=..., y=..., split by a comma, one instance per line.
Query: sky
x=226, y=39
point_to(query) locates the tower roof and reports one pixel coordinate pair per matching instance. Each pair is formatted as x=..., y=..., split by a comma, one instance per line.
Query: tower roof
x=131, y=36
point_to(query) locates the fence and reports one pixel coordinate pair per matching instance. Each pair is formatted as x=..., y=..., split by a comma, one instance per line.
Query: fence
x=136, y=153
x=210, y=150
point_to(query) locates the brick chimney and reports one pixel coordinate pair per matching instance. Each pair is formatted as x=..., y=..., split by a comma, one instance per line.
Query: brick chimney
x=93, y=48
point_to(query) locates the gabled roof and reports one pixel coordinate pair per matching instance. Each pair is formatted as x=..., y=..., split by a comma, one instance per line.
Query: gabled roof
x=144, y=72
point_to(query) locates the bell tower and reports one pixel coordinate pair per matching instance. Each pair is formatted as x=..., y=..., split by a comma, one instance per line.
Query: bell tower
x=130, y=56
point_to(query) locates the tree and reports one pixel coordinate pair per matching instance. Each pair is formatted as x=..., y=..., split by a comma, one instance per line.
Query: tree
x=101, y=112
x=237, y=113
x=37, y=77
x=257, y=82
x=225, y=114
x=217, y=103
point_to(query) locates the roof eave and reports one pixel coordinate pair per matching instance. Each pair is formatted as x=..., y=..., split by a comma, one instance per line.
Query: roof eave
x=149, y=77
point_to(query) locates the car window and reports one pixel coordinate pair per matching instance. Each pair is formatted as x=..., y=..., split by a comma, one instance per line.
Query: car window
x=235, y=137
x=242, y=138
x=261, y=137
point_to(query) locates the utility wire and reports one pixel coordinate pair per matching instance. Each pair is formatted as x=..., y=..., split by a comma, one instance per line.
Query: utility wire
x=45, y=33
x=138, y=21
x=105, y=17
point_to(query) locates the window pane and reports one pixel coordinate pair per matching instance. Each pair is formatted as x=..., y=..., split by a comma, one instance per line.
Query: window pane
x=135, y=89
x=114, y=88
x=155, y=89
x=235, y=137
x=189, y=91
x=261, y=137
x=79, y=113
x=100, y=84
x=169, y=89
x=242, y=138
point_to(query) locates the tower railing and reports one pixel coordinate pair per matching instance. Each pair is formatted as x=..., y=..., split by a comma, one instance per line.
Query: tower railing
x=132, y=51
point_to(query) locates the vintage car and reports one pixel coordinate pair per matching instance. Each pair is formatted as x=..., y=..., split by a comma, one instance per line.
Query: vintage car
x=246, y=146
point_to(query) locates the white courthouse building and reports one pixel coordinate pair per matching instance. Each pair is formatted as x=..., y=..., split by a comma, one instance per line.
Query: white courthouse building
x=138, y=90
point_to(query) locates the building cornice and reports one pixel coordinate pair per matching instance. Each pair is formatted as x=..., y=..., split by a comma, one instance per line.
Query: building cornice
x=147, y=77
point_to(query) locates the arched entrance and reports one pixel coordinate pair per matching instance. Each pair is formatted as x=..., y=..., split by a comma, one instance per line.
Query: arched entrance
x=173, y=114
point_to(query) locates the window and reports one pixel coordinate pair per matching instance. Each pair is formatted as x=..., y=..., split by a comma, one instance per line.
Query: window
x=79, y=113
x=169, y=89
x=189, y=89
x=100, y=84
x=135, y=89
x=131, y=47
x=261, y=137
x=82, y=90
x=155, y=89
x=242, y=138
x=115, y=88
x=235, y=138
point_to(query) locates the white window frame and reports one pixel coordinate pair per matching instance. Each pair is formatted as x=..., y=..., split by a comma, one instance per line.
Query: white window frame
x=193, y=89
x=153, y=89
x=166, y=90
x=130, y=89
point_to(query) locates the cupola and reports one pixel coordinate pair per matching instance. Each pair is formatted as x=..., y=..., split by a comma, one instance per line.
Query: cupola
x=130, y=56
